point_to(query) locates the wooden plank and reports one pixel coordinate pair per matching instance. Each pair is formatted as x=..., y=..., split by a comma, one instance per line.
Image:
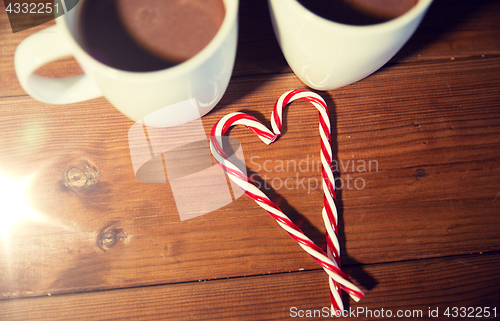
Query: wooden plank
x=423, y=134
x=434, y=142
x=258, y=51
x=470, y=29
x=433, y=128
x=413, y=288
x=436, y=150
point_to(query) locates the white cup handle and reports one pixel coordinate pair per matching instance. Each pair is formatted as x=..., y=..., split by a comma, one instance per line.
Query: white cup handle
x=39, y=49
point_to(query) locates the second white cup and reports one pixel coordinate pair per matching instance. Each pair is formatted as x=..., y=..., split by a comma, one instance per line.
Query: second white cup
x=326, y=55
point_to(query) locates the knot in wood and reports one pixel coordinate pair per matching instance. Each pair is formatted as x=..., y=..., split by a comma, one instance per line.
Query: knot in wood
x=108, y=239
x=80, y=176
x=109, y=236
x=76, y=177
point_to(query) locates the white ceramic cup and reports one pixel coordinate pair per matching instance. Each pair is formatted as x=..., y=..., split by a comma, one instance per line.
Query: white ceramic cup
x=327, y=55
x=203, y=78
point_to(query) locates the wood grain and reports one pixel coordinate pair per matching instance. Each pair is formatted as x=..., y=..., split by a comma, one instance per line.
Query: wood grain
x=445, y=155
x=409, y=287
x=417, y=158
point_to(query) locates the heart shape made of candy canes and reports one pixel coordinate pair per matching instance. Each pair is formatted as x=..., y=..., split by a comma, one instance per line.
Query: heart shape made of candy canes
x=329, y=261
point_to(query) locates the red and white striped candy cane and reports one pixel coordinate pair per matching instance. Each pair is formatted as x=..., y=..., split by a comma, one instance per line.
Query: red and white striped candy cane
x=331, y=261
x=329, y=212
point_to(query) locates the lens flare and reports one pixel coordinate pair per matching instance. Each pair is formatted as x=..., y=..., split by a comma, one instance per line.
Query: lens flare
x=14, y=208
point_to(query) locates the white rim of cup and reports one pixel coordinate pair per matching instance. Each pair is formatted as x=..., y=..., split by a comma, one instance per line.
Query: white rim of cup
x=231, y=13
x=392, y=24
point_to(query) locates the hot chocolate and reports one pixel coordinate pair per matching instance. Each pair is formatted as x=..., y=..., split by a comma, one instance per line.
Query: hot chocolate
x=359, y=12
x=148, y=35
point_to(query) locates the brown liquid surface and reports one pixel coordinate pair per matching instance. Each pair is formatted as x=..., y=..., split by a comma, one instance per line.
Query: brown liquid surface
x=148, y=35
x=359, y=12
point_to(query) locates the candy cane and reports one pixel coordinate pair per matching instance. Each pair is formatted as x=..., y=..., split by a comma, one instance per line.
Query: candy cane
x=329, y=262
x=329, y=212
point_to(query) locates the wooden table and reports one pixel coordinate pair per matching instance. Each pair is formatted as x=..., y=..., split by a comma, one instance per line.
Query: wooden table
x=419, y=229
